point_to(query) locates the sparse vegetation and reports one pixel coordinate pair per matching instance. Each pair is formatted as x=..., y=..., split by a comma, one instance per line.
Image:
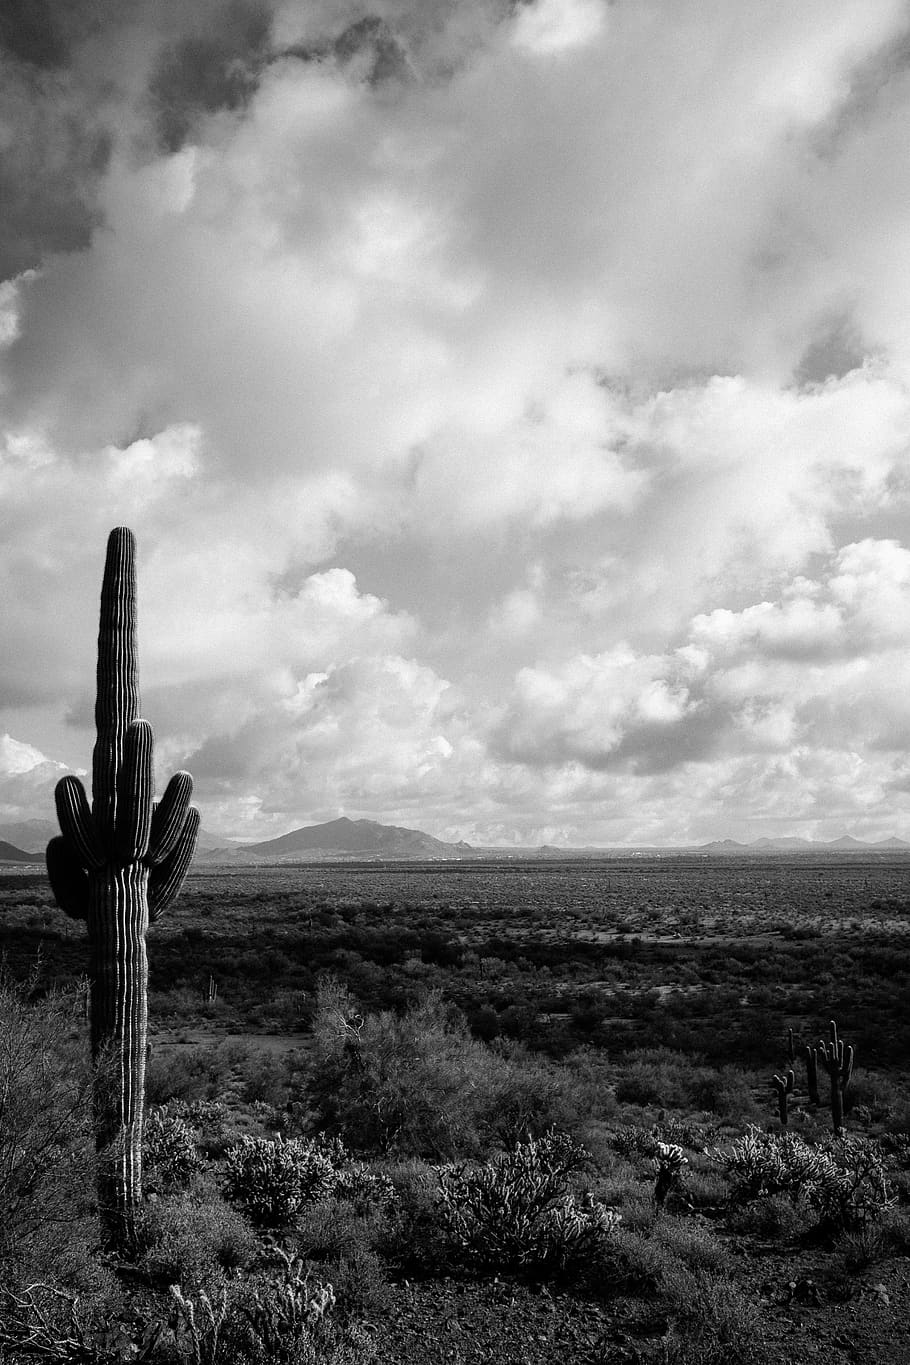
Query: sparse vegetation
x=421, y=1103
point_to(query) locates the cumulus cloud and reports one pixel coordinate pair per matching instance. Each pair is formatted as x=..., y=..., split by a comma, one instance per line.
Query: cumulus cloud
x=27, y=780
x=764, y=695
x=511, y=402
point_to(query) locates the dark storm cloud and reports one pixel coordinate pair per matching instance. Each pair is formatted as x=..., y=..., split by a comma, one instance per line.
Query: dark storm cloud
x=48, y=175
x=203, y=73
x=43, y=33
x=58, y=142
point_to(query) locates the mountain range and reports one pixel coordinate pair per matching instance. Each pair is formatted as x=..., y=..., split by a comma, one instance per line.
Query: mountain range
x=369, y=840
x=845, y=844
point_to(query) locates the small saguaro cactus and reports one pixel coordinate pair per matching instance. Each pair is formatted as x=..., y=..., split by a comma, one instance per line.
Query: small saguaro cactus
x=118, y=866
x=811, y=1056
x=838, y=1060
x=783, y=1087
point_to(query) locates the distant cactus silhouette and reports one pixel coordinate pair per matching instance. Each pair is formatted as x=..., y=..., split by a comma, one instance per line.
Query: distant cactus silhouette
x=118, y=866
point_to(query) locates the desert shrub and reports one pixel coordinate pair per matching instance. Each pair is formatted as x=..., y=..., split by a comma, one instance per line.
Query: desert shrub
x=638, y=1259
x=193, y=1240
x=267, y=1079
x=523, y=1096
x=327, y=1231
x=665, y=1256
x=863, y=1246
x=189, y=1073
x=655, y=1076
x=360, y=1283
x=724, y=1091
x=272, y=1179
x=772, y=1216
x=878, y=1097
x=46, y=1322
x=628, y=1140
x=46, y=1143
x=694, y=1136
x=689, y=1242
x=718, y=1324
x=516, y=1213
x=410, y=1234
x=671, y=1080
x=705, y=1188
x=418, y=1084
x=170, y=1155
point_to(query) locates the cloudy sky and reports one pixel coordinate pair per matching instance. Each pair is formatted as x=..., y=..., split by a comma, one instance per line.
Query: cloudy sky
x=511, y=402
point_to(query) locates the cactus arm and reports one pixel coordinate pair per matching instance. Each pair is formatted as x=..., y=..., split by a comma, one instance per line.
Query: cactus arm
x=167, y=878
x=169, y=817
x=134, y=793
x=76, y=821
x=117, y=701
x=847, y=1069
x=68, y=878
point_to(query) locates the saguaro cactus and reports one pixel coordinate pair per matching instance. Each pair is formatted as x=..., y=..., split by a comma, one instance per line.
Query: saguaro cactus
x=783, y=1087
x=838, y=1059
x=118, y=866
x=810, y=1055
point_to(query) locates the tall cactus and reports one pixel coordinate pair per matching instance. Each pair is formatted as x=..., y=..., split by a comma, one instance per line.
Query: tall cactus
x=838, y=1061
x=118, y=866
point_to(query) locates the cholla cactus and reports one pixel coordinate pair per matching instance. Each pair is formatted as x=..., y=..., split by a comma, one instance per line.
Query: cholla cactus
x=273, y=1179
x=516, y=1212
x=118, y=866
x=668, y=1162
x=200, y=1322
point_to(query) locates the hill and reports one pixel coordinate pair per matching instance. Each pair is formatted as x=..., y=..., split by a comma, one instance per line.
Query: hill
x=10, y=854
x=344, y=838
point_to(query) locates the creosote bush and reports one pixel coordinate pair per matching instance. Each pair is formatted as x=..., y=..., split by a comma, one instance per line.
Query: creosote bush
x=194, y=1239
x=47, y=1198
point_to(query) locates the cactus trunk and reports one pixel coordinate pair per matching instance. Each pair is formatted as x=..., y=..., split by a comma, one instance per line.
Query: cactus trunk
x=118, y=866
x=117, y=922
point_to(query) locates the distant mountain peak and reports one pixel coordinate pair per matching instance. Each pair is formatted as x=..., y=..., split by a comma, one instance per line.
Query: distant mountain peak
x=361, y=838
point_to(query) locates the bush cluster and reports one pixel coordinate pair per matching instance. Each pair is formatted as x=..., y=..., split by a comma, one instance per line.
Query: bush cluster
x=843, y=1179
x=418, y=1084
x=517, y=1213
x=271, y=1179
